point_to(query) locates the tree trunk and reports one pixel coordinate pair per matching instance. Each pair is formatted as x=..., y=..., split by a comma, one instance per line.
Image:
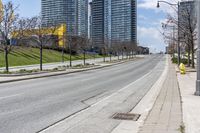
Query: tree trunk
x=189, y=56
x=70, y=57
x=41, y=57
x=62, y=55
x=193, y=64
x=132, y=53
x=118, y=55
x=6, y=59
x=110, y=57
x=104, y=56
x=84, y=58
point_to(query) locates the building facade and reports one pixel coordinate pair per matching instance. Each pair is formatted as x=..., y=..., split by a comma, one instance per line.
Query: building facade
x=119, y=21
x=74, y=13
x=186, y=17
x=187, y=28
x=97, y=23
x=53, y=12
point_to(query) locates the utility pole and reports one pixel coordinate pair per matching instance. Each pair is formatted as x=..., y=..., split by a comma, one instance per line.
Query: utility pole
x=179, y=49
x=198, y=50
x=178, y=45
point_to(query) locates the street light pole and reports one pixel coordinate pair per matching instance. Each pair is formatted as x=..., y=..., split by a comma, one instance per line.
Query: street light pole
x=198, y=51
x=178, y=4
x=179, y=49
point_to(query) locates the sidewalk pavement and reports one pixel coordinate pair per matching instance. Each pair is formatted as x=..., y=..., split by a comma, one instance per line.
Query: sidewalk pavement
x=54, y=65
x=145, y=105
x=166, y=114
x=66, y=63
x=190, y=102
x=99, y=65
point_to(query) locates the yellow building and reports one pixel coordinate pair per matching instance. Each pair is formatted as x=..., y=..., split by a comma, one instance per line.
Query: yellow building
x=59, y=32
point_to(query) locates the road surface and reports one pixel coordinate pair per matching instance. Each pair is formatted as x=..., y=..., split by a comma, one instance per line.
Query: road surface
x=34, y=105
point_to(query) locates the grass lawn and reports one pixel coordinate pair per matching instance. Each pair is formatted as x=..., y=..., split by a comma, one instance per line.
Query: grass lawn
x=29, y=56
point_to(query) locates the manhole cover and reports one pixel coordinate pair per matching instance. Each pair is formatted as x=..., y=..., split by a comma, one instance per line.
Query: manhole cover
x=126, y=116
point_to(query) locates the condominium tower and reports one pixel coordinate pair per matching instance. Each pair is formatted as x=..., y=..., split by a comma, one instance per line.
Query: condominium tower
x=114, y=20
x=74, y=13
x=187, y=18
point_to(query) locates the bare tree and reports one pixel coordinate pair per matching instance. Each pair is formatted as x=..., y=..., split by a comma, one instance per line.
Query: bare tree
x=40, y=34
x=19, y=34
x=105, y=49
x=116, y=48
x=133, y=48
x=185, y=22
x=8, y=18
x=83, y=43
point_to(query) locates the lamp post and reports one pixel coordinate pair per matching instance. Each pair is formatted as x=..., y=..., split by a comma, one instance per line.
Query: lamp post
x=178, y=46
x=198, y=50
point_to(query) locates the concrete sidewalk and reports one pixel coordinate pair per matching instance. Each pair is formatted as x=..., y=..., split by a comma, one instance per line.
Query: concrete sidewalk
x=190, y=102
x=166, y=114
x=100, y=65
x=55, y=64
x=66, y=63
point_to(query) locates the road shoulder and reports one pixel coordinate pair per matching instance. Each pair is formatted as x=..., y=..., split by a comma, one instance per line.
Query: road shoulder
x=94, y=118
x=143, y=107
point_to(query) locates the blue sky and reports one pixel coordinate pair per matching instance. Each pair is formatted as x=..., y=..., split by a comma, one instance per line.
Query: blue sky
x=149, y=20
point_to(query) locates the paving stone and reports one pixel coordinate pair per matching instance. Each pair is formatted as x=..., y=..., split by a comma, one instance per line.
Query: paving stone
x=166, y=115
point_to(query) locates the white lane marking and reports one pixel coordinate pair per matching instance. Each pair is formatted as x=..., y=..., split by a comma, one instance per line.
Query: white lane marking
x=124, y=88
x=55, y=126
x=96, y=104
x=5, y=97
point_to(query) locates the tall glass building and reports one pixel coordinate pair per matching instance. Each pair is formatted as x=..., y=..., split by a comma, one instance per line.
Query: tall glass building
x=187, y=17
x=53, y=11
x=97, y=23
x=74, y=13
x=119, y=20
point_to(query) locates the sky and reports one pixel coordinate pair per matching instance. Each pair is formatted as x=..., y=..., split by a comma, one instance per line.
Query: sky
x=149, y=20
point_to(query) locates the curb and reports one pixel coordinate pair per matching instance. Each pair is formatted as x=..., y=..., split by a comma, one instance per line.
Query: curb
x=64, y=73
x=143, y=107
x=23, y=74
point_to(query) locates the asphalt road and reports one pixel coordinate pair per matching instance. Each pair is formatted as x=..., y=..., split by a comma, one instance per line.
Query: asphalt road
x=32, y=105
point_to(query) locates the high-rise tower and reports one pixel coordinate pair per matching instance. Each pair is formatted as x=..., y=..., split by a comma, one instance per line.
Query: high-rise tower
x=115, y=20
x=97, y=23
x=74, y=13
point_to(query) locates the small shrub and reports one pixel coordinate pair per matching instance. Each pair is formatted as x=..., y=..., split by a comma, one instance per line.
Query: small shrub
x=22, y=70
x=79, y=65
x=5, y=72
x=175, y=60
x=55, y=69
x=182, y=128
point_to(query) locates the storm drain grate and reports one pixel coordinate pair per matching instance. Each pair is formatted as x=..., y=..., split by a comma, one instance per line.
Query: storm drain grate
x=126, y=116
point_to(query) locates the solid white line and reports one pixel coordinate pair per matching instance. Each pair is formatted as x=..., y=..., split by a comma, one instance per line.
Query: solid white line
x=122, y=88
x=5, y=97
x=46, y=130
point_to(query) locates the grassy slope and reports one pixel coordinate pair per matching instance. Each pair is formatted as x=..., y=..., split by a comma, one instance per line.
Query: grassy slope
x=28, y=56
